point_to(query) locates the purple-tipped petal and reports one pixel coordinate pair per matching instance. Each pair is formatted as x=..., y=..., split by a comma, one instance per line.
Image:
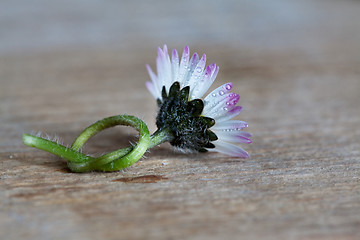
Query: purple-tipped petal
x=233, y=112
x=183, y=66
x=212, y=67
x=215, y=73
x=165, y=50
x=151, y=73
x=155, y=80
x=233, y=136
x=150, y=86
x=174, y=65
x=194, y=59
x=197, y=79
x=160, y=69
x=217, y=97
x=233, y=99
x=192, y=64
x=230, y=125
x=220, y=104
x=186, y=50
x=229, y=149
x=163, y=66
x=160, y=52
x=219, y=92
x=175, y=57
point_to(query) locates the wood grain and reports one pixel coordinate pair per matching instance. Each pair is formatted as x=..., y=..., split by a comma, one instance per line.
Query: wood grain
x=301, y=101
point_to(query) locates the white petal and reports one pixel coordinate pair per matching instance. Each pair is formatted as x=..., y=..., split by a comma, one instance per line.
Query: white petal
x=231, y=113
x=168, y=80
x=174, y=65
x=230, y=125
x=229, y=149
x=203, y=84
x=215, y=72
x=233, y=136
x=192, y=65
x=157, y=85
x=216, y=96
x=197, y=76
x=160, y=67
x=163, y=66
x=151, y=88
x=183, y=69
x=225, y=104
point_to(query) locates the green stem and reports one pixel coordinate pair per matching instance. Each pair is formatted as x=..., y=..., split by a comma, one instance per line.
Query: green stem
x=56, y=149
x=160, y=136
x=113, y=161
x=116, y=160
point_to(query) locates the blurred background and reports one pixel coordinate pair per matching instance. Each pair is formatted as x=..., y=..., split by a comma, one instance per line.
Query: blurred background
x=77, y=56
x=80, y=43
x=277, y=24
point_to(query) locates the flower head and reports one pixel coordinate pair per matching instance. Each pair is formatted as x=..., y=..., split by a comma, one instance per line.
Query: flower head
x=196, y=124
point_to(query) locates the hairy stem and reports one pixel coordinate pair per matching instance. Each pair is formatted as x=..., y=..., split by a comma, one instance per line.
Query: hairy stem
x=114, y=161
x=56, y=149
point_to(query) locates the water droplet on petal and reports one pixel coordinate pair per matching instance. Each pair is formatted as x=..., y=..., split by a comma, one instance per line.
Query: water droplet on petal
x=228, y=87
x=225, y=108
x=221, y=92
x=198, y=69
x=214, y=94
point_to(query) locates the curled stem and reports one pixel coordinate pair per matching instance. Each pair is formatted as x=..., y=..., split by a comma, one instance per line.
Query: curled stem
x=55, y=148
x=114, y=161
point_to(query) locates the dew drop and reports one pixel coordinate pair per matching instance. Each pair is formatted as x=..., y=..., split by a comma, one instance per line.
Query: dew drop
x=228, y=86
x=225, y=108
x=198, y=69
x=221, y=92
x=214, y=94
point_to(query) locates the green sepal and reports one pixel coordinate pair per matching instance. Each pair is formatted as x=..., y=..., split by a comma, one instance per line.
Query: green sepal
x=184, y=93
x=202, y=150
x=209, y=145
x=209, y=121
x=174, y=89
x=212, y=135
x=196, y=107
x=190, y=130
x=163, y=93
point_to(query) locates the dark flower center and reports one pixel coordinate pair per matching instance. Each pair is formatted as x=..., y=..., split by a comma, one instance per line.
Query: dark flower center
x=190, y=130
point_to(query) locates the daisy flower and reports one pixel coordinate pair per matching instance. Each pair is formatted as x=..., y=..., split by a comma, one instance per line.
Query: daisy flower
x=196, y=124
x=188, y=122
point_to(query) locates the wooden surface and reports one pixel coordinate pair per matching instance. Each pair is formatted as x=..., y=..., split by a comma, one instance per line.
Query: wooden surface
x=296, y=65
